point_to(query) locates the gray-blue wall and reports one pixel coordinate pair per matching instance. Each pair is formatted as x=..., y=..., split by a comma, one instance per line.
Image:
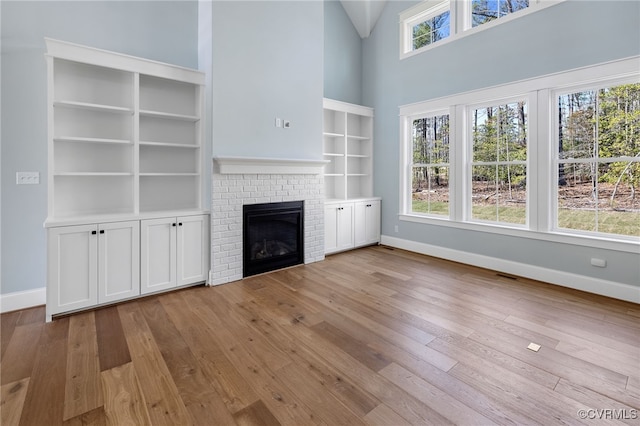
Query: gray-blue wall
x=569, y=35
x=342, y=55
x=267, y=64
x=158, y=30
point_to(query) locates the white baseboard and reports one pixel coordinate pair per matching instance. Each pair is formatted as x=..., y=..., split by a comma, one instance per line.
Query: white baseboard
x=613, y=289
x=23, y=299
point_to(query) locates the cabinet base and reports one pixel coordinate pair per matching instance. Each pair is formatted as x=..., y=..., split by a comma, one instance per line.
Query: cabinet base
x=51, y=317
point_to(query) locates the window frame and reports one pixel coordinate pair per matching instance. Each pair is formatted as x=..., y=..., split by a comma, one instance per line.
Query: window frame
x=469, y=162
x=460, y=21
x=585, y=86
x=418, y=14
x=542, y=168
x=411, y=164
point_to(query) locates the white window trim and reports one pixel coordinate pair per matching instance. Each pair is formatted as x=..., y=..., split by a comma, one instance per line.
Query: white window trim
x=594, y=85
x=540, y=92
x=468, y=216
x=460, y=21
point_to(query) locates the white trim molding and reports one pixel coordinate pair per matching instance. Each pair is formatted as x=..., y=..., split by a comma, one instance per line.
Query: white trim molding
x=281, y=166
x=612, y=289
x=23, y=299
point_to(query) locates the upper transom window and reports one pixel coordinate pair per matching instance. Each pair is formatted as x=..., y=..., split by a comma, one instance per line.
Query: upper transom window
x=483, y=11
x=440, y=21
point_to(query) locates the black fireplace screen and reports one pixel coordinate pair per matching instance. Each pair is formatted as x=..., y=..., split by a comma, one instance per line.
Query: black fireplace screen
x=273, y=236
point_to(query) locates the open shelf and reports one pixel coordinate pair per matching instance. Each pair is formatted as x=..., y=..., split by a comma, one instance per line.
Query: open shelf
x=93, y=107
x=122, y=141
x=169, y=115
x=348, y=145
x=91, y=140
x=83, y=85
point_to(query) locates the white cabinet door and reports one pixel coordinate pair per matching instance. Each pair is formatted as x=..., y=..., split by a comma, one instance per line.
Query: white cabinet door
x=118, y=261
x=157, y=254
x=330, y=228
x=345, y=226
x=193, y=249
x=367, y=223
x=72, y=268
x=338, y=227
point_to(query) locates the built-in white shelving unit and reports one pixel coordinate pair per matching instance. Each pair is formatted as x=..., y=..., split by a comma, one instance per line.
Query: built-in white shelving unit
x=125, y=144
x=348, y=145
x=125, y=135
x=348, y=177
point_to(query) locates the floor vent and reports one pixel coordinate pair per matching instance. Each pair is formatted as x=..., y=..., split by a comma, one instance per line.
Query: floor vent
x=510, y=277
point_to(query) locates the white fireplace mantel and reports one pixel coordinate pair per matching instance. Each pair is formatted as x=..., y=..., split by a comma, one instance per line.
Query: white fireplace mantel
x=261, y=165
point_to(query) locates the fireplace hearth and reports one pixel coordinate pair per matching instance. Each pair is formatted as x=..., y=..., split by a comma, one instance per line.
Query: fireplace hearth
x=272, y=236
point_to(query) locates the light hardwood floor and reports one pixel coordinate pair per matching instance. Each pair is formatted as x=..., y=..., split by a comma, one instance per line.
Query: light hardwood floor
x=373, y=336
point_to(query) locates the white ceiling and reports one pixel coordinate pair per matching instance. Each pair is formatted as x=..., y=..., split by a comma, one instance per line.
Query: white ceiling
x=363, y=14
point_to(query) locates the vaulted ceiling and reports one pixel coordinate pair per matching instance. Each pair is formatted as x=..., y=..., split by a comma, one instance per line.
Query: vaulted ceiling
x=363, y=14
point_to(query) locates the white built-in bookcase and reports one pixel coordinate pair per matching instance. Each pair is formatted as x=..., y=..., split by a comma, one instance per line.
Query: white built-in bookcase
x=125, y=136
x=348, y=146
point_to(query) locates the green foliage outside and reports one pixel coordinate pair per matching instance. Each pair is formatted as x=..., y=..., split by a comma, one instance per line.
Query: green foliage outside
x=611, y=222
x=599, y=152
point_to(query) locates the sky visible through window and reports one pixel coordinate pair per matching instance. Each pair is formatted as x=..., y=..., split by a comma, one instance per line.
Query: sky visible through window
x=483, y=11
x=431, y=30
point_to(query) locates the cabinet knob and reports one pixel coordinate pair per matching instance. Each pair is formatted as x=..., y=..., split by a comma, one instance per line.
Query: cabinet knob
x=93, y=232
x=102, y=231
x=368, y=205
x=173, y=224
x=180, y=224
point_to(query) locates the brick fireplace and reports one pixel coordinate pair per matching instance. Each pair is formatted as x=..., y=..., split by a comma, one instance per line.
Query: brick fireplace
x=239, y=181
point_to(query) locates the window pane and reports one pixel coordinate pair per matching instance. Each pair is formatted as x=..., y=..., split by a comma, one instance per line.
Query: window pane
x=433, y=29
x=512, y=131
x=577, y=128
x=500, y=133
x=483, y=11
x=499, y=193
x=619, y=121
x=485, y=133
x=576, y=199
x=483, y=193
x=512, y=194
x=430, y=174
x=431, y=140
x=421, y=35
x=600, y=196
x=430, y=190
x=618, y=205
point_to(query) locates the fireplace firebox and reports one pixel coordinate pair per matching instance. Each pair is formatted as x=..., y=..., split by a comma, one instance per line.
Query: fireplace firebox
x=272, y=236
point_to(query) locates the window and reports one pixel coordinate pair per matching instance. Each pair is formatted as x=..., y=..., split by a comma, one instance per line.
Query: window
x=430, y=168
x=426, y=24
x=433, y=21
x=555, y=157
x=598, y=160
x=483, y=11
x=431, y=30
x=499, y=163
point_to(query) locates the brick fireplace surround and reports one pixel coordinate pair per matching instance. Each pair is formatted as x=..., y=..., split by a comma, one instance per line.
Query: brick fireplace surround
x=238, y=181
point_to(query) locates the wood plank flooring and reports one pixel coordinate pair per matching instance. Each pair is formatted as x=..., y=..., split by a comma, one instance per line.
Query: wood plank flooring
x=374, y=336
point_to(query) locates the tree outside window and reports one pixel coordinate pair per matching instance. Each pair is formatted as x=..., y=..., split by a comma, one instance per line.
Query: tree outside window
x=483, y=11
x=499, y=163
x=430, y=169
x=599, y=160
x=431, y=30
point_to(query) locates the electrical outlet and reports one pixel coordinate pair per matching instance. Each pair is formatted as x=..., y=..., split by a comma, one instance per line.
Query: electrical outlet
x=396, y=228
x=278, y=122
x=27, y=178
